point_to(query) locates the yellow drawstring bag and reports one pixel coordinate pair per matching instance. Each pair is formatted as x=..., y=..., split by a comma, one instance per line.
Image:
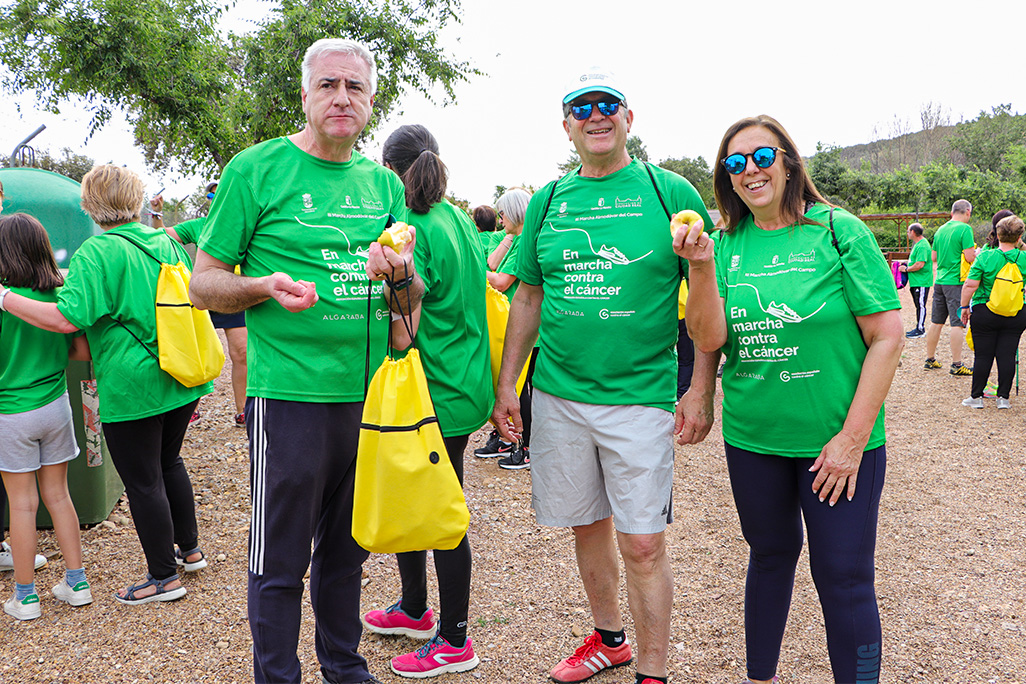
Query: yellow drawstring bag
x=188, y=348
x=963, y=268
x=497, y=311
x=969, y=337
x=407, y=496
x=682, y=299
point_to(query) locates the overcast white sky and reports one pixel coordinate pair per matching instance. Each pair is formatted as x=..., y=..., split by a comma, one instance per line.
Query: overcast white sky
x=837, y=73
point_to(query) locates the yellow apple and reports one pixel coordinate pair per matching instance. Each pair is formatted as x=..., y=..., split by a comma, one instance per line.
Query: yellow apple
x=684, y=218
x=396, y=236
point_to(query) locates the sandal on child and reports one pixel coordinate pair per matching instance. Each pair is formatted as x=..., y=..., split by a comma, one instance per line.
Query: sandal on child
x=194, y=566
x=162, y=593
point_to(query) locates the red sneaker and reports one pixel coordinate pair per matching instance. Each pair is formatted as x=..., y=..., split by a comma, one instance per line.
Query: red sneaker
x=393, y=620
x=434, y=658
x=590, y=659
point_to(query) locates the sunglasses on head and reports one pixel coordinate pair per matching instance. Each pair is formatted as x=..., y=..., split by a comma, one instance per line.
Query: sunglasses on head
x=583, y=111
x=762, y=156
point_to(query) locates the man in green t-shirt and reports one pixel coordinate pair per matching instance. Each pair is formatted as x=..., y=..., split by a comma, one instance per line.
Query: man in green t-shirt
x=598, y=290
x=951, y=242
x=919, y=268
x=301, y=215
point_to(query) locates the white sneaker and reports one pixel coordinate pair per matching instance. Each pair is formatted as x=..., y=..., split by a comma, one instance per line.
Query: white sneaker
x=79, y=595
x=7, y=560
x=974, y=402
x=25, y=609
x=1003, y=403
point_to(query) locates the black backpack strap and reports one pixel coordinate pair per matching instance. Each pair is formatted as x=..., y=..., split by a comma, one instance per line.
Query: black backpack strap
x=656, y=188
x=651, y=176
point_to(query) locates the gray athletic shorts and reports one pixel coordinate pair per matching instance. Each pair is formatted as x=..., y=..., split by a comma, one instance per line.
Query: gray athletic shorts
x=946, y=299
x=40, y=437
x=591, y=461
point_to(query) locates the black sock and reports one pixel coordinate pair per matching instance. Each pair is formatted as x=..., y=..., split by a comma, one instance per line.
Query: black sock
x=641, y=678
x=612, y=639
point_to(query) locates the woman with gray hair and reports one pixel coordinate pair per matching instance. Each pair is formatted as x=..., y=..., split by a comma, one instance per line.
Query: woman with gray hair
x=110, y=293
x=502, y=264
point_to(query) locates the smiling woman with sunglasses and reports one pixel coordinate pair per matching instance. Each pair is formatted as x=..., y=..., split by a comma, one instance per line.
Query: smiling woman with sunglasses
x=809, y=321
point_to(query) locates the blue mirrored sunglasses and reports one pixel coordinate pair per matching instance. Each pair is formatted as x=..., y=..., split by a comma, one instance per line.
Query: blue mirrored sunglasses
x=583, y=111
x=762, y=156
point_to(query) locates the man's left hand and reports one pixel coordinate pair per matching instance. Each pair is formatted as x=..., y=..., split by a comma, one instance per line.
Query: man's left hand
x=385, y=263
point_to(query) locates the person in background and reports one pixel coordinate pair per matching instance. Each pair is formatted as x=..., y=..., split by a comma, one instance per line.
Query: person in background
x=485, y=219
x=800, y=299
x=992, y=239
x=952, y=243
x=452, y=337
x=920, y=276
x=6, y=559
x=37, y=434
x=110, y=293
x=996, y=337
x=512, y=206
x=233, y=324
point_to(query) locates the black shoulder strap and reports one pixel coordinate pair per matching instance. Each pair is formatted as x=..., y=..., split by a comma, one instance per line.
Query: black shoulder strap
x=548, y=202
x=656, y=188
x=833, y=235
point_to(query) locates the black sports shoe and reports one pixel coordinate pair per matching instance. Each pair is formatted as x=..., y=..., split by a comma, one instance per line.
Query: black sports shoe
x=493, y=447
x=518, y=459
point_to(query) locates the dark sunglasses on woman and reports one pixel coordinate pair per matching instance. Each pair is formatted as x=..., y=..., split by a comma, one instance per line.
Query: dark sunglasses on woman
x=583, y=111
x=762, y=156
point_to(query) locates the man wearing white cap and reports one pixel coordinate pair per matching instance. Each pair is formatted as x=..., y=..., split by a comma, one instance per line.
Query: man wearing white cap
x=599, y=279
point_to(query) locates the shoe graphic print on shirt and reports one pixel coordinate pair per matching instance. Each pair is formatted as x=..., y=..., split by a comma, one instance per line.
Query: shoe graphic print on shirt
x=605, y=251
x=347, y=272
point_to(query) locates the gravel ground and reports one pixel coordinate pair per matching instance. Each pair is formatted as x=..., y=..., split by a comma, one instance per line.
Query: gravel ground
x=950, y=562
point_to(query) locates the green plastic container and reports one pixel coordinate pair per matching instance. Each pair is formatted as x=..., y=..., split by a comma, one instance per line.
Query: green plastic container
x=53, y=199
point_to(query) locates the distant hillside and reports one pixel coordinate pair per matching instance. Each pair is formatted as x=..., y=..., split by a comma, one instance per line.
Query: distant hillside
x=914, y=149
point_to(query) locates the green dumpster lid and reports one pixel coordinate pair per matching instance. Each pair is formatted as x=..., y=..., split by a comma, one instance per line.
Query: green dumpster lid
x=53, y=199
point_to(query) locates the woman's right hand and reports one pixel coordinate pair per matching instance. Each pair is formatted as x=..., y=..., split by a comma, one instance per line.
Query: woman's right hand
x=693, y=244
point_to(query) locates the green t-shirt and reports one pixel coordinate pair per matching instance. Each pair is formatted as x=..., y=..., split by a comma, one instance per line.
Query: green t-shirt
x=921, y=251
x=794, y=350
x=110, y=278
x=278, y=208
x=509, y=267
x=32, y=360
x=949, y=242
x=189, y=231
x=453, y=333
x=489, y=241
x=603, y=255
x=986, y=267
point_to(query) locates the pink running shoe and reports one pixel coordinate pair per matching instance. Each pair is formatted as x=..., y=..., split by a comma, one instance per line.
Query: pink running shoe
x=435, y=657
x=393, y=620
x=590, y=659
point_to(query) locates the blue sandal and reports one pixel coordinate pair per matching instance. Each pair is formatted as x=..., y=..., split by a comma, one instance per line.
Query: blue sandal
x=193, y=566
x=162, y=593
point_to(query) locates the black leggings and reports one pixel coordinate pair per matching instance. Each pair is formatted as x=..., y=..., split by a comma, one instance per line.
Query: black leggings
x=525, y=400
x=147, y=455
x=995, y=337
x=452, y=568
x=772, y=494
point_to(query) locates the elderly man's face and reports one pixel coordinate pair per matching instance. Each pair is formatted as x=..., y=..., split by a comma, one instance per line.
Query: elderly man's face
x=339, y=103
x=599, y=136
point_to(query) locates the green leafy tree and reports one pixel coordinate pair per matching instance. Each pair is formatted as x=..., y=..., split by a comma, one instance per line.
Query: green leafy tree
x=69, y=164
x=985, y=140
x=697, y=171
x=194, y=97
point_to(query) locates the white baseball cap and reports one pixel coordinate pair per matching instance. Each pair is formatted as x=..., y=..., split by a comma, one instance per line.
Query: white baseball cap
x=594, y=79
